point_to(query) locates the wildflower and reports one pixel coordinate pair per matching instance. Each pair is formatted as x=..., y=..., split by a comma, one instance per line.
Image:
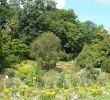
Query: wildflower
x=74, y=96
x=6, y=76
x=6, y=90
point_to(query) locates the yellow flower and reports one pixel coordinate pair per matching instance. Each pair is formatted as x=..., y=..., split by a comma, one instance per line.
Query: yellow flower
x=22, y=89
x=25, y=69
x=96, y=90
x=48, y=92
x=67, y=92
x=6, y=90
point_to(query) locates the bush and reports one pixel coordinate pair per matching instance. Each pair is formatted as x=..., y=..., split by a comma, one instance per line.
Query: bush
x=34, y=78
x=106, y=65
x=45, y=49
x=62, y=81
x=12, y=59
x=96, y=90
x=16, y=47
x=10, y=72
x=94, y=54
x=85, y=58
x=2, y=60
x=66, y=57
x=93, y=73
x=30, y=73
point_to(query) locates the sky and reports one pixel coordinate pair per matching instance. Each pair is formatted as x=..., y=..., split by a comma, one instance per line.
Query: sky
x=97, y=11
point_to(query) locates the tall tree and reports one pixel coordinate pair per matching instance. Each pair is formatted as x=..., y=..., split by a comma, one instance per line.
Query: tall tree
x=29, y=18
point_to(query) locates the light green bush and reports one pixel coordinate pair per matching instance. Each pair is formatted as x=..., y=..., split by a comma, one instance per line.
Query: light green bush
x=30, y=73
x=45, y=49
x=34, y=78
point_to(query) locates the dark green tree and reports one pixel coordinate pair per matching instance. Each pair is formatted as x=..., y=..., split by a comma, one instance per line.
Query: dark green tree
x=94, y=54
x=29, y=23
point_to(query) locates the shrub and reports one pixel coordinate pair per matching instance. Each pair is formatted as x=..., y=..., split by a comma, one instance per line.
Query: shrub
x=85, y=58
x=93, y=73
x=48, y=94
x=30, y=73
x=34, y=78
x=24, y=70
x=6, y=91
x=2, y=60
x=12, y=59
x=94, y=54
x=10, y=72
x=45, y=49
x=96, y=90
x=66, y=57
x=62, y=81
x=91, y=56
x=16, y=47
x=106, y=65
x=22, y=89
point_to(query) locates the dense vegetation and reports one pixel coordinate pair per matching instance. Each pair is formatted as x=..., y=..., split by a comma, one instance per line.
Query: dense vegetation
x=35, y=36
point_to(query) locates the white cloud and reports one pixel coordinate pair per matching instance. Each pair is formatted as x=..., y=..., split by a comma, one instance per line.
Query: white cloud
x=107, y=2
x=60, y=3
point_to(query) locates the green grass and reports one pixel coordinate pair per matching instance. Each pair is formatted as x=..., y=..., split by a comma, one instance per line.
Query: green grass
x=100, y=98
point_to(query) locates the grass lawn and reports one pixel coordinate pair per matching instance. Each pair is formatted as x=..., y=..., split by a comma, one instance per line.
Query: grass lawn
x=101, y=98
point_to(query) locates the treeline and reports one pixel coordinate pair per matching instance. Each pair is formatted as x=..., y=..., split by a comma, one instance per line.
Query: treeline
x=22, y=21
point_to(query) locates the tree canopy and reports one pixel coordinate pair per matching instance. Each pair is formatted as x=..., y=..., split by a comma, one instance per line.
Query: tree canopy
x=23, y=21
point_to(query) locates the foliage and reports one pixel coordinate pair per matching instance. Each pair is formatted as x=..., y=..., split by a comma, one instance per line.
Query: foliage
x=12, y=59
x=16, y=47
x=93, y=73
x=30, y=25
x=55, y=34
x=11, y=88
x=93, y=55
x=35, y=77
x=61, y=81
x=31, y=74
x=22, y=89
x=106, y=65
x=45, y=50
x=6, y=91
x=9, y=72
x=96, y=90
x=66, y=57
x=87, y=58
x=53, y=93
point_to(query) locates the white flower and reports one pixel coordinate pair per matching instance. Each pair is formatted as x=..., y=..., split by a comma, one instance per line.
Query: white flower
x=6, y=76
x=4, y=86
x=74, y=96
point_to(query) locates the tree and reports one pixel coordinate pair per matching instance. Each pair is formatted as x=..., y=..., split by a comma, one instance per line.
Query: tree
x=16, y=47
x=94, y=54
x=45, y=49
x=30, y=25
x=3, y=2
x=106, y=65
x=15, y=4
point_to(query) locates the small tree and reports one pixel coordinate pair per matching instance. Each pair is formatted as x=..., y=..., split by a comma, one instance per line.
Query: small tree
x=45, y=49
